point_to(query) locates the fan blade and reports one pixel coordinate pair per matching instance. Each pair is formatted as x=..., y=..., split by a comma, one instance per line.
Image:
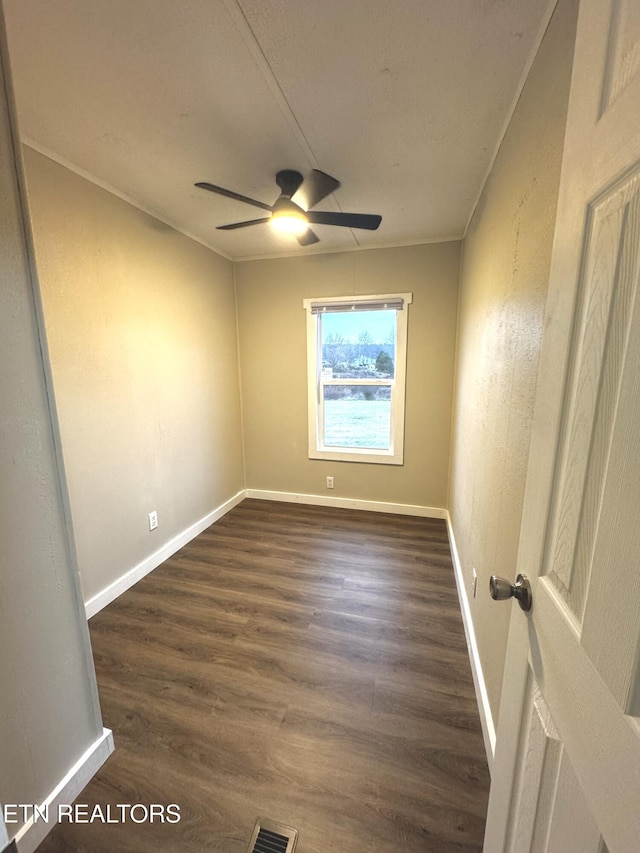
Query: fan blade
x=230, y=194
x=308, y=238
x=369, y=221
x=316, y=187
x=235, y=225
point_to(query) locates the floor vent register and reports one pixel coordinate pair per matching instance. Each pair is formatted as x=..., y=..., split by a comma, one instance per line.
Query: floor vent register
x=272, y=837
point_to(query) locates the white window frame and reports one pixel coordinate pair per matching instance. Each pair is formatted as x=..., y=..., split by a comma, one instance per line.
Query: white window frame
x=315, y=382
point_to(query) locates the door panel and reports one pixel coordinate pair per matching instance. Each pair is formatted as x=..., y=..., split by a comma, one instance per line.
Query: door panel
x=551, y=811
x=572, y=825
x=611, y=626
x=623, y=55
x=540, y=754
x=604, y=353
x=607, y=293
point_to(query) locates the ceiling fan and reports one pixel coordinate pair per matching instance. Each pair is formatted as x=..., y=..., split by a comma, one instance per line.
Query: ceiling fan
x=292, y=212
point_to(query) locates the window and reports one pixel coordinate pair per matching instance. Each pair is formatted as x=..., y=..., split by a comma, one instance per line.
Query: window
x=356, y=356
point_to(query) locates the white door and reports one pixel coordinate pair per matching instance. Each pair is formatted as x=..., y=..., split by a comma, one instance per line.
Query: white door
x=567, y=766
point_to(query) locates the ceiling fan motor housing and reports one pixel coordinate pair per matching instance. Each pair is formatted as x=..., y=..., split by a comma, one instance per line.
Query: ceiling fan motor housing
x=289, y=181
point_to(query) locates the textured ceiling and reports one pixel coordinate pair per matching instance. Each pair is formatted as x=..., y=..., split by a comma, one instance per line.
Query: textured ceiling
x=404, y=101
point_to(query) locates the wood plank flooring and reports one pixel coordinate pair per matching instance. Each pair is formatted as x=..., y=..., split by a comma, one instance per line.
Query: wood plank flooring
x=302, y=663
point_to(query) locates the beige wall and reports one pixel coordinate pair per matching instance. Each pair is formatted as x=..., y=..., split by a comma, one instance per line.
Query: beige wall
x=272, y=326
x=505, y=269
x=142, y=333
x=49, y=713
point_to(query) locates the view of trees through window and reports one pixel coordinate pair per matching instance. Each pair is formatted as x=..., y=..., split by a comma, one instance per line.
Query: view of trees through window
x=358, y=365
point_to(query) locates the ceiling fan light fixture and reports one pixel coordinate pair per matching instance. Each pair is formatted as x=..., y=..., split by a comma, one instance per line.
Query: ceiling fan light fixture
x=289, y=219
x=290, y=223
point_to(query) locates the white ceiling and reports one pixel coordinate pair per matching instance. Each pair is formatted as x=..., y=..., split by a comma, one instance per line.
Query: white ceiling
x=404, y=101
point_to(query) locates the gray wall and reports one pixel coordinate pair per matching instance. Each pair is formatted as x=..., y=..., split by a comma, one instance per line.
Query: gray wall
x=505, y=268
x=48, y=709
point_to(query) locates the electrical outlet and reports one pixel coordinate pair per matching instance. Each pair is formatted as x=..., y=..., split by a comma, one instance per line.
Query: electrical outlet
x=329, y=482
x=474, y=582
x=153, y=520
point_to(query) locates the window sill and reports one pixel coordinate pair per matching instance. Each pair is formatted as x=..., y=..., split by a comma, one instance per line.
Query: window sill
x=380, y=457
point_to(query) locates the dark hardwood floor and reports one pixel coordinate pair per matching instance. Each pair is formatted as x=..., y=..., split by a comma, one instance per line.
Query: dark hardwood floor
x=295, y=662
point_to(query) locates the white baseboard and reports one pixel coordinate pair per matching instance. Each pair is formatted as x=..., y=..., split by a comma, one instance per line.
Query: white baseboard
x=127, y=580
x=482, y=697
x=348, y=503
x=32, y=833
